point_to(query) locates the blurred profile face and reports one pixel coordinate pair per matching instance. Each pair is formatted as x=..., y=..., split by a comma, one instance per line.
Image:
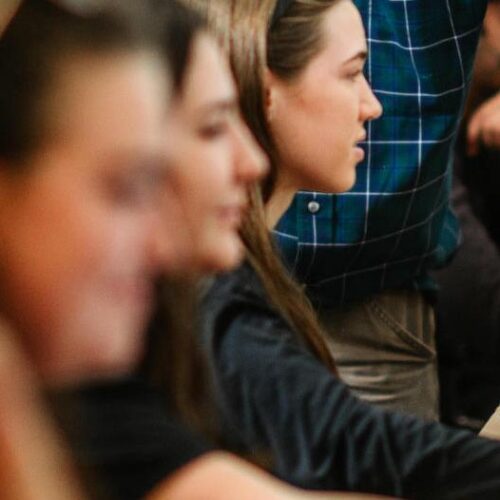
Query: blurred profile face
x=318, y=118
x=213, y=161
x=81, y=234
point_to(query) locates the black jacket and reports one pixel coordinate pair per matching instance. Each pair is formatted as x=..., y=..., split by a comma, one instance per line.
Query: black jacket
x=126, y=442
x=278, y=396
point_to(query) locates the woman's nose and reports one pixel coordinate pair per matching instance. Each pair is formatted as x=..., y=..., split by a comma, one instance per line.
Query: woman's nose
x=252, y=162
x=371, y=109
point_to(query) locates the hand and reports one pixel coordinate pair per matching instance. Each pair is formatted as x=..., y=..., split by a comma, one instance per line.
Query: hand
x=484, y=126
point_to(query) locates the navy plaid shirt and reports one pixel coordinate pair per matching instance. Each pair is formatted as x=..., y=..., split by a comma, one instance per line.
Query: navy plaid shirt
x=396, y=223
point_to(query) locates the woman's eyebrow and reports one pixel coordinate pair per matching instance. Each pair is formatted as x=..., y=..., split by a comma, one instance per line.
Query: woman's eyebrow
x=362, y=55
x=221, y=105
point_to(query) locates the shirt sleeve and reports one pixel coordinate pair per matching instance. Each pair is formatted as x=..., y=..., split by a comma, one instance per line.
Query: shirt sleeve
x=322, y=436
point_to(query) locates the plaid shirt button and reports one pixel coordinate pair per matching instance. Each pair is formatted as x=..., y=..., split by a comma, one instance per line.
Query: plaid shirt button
x=313, y=207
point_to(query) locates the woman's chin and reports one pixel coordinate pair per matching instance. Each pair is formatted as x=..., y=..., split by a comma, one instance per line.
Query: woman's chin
x=225, y=257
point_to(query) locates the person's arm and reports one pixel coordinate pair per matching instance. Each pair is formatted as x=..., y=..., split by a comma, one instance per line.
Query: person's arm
x=221, y=476
x=483, y=126
x=279, y=397
x=492, y=23
x=136, y=450
x=492, y=427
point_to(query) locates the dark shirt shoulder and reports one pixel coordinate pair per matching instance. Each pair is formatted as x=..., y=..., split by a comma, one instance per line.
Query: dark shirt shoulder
x=239, y=297
x=241, y=285
x=127, y=439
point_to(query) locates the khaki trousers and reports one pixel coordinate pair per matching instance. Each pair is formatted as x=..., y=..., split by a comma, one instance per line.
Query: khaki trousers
x=385, y=351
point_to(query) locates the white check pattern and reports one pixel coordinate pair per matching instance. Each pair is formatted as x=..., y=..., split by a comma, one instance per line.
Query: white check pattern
x=395, y=224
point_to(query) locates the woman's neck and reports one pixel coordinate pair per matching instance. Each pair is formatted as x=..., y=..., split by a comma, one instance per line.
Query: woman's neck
x=284, y=190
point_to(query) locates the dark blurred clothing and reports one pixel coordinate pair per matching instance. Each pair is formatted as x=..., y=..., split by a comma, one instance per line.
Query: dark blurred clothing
x=468, y=307
x=279, y=397
x=126, y=440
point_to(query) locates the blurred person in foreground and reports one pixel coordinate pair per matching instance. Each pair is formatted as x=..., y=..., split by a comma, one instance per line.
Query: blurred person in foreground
x=85, y=230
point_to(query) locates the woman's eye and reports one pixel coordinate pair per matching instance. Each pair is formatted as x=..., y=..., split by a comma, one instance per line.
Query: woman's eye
x=354, y=75
x=127, y=192
x=213, y=131
x=134, y=190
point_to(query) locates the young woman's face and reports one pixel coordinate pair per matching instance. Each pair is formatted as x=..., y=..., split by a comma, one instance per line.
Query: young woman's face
x=214, y=159
x=80, y=230
x=318, y=118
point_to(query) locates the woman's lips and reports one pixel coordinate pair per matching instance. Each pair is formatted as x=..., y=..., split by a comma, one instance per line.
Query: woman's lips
x=232, y=215
x=359, y=153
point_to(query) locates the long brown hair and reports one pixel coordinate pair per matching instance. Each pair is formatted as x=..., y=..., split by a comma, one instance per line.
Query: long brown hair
x=285, y=49
x=174, y=362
